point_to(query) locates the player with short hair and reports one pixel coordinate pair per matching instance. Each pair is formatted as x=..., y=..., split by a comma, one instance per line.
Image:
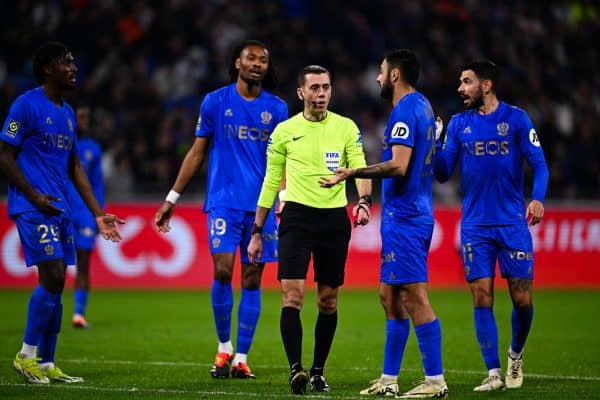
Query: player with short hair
x=314, y=221
x=406, y=227
x=38, y=152
x=234, y=126
x=491, y=139
x=84, y=223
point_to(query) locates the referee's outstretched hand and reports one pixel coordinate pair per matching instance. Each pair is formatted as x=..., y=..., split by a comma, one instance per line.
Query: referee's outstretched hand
x=341, y=174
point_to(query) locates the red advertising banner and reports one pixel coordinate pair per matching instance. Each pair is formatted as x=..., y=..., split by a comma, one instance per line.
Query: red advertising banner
x=567, y=252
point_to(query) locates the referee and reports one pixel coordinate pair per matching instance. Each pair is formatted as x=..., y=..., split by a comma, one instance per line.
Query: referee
x=314, y=221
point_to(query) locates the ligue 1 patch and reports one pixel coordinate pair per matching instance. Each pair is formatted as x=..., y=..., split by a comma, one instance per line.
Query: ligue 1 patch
x=12, y=129
x=400, y=130
x=266, y=117
x=332, y=160
x=533, y=138
x=502, y=128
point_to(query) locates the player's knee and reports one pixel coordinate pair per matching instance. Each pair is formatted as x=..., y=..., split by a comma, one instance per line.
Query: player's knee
x=223, y=274
x=53, y=280
x=482, y=297
x=522, y=303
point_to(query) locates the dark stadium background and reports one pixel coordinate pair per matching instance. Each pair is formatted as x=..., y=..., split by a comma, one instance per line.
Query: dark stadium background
x=144, y=66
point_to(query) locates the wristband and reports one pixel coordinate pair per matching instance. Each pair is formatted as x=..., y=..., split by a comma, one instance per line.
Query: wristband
x=367, y=199
x=172, y=197
x=281, y=195
x=256, y=229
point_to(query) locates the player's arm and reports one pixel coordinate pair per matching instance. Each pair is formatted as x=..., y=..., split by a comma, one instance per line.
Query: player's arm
x=447, y=151
x=10, y=169
x=529, y=142
x=107, y=223
x=191, y=163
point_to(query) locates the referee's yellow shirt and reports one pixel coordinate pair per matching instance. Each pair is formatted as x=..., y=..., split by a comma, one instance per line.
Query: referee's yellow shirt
x=306, y=151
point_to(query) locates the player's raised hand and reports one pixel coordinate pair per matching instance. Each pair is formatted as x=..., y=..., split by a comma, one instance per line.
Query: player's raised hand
x=535, y=212
x=439, y=128
x=340, y=175
x=255, y=249
x=107, y=226
x=44, y=203
x=163, y=216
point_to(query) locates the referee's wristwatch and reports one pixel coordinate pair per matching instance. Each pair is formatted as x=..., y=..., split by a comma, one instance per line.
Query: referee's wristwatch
x=256, y=229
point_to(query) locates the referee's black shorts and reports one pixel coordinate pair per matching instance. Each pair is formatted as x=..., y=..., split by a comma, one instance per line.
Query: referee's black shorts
x=322, y=233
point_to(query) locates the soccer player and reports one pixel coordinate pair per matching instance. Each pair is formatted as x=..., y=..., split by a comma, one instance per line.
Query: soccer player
x=38, y=150
x=491, y=139
x=406, y=227
x=84, y=223
x=314, y=220
x=234, y=126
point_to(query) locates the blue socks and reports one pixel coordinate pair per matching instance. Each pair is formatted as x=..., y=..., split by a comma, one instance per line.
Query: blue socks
x=521, y=323
x=222, y=304
x=81, y=299
x=396, y=335
x=42, y=305
x=248, y=314
x=429, y=336
x=49, y=338
x=487, y=335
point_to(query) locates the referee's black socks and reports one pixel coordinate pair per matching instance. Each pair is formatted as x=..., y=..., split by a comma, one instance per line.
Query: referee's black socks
x=291, y=334
x=324, y=332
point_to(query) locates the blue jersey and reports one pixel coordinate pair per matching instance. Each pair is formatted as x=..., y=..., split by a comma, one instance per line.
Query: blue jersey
x=90, y=156
x=491, y=149
x=411, y=124
x=44, y=134
x=239, y=131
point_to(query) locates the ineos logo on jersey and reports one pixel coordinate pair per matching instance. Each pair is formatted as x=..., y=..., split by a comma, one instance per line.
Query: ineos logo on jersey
x=400, y=131
x=533, y=138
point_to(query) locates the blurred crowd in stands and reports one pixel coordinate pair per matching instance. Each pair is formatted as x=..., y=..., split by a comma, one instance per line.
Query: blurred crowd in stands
x=144, y=67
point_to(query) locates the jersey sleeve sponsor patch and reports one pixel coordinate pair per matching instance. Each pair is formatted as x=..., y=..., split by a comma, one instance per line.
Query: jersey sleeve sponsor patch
x=12, y=129
x=359, y=139
x=400, y=131
x=533, y=138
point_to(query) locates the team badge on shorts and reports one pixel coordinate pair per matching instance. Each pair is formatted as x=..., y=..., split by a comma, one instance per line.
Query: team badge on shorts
x=332, y=160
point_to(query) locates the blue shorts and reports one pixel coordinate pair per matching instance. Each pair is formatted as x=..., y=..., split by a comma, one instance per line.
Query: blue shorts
x=229, y=228
x=404, y=248
x=45, y=237
x=86, y=229
x=511, y=245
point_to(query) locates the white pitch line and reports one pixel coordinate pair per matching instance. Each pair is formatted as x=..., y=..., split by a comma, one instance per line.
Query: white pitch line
x=196, y=364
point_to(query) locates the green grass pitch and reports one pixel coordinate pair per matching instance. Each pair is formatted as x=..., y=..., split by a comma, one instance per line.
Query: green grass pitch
x=161, y=344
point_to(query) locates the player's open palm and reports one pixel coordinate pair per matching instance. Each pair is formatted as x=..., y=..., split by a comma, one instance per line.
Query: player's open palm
x=340, y=175
x=535, y=212
x=162, y=218
x=107, y=226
